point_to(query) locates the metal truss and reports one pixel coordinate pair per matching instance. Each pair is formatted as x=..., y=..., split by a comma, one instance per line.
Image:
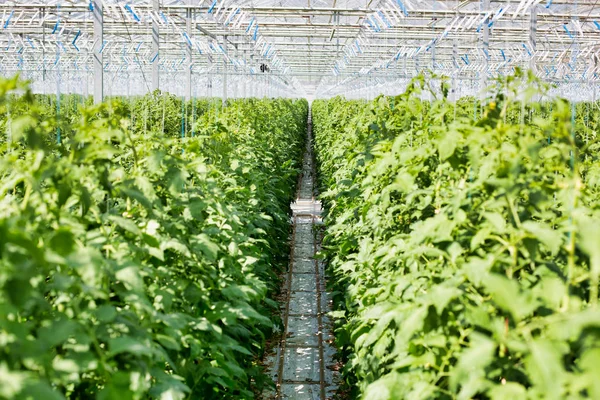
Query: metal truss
x=293, y=47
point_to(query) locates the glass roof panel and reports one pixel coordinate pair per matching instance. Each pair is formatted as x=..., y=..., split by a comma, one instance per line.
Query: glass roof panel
x=310, y=46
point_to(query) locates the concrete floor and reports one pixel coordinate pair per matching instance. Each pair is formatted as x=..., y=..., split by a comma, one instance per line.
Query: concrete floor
x=302, y=365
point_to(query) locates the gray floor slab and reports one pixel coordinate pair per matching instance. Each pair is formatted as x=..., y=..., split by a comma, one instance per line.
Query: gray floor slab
x=303, y=266
x=304, y=282
x=301, y=364
x=304, y=252
x=303, y=331
x=309, y=331
x=300, y=391
x=304, y=241
x=303, y=228
x=303, y=303
x=305, y=246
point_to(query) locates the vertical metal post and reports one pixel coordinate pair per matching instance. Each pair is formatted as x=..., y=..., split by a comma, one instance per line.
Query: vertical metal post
x=98, y=58
x=532, y=37
x=224, y=72
x=433, y=45
x=188, y=81
x=209, y=81
x=58, y=133
x=485, y=5
x=417, y=64
x=454, y=58
x=245, y=76
x=43, y=47
x=155, y=46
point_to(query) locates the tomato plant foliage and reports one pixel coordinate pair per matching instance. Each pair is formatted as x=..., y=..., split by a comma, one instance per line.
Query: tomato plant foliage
x=135, y=264
x=466, y=253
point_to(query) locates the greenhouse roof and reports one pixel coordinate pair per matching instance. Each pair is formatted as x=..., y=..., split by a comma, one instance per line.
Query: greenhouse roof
x=313, y=47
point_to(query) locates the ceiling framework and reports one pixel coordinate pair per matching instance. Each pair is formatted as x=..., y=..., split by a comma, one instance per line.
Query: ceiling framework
x=294, y=47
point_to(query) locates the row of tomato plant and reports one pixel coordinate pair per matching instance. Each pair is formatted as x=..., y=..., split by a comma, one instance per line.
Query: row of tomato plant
x=465, y=253
x=159, y=112
x=136, y=264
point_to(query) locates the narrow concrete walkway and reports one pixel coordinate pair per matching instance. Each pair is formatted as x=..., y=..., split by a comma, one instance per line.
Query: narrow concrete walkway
x=302, y=365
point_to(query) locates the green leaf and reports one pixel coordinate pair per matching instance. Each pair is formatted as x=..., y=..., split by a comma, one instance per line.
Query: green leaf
x=133, y=193
x=176, y=179
x=497, y=221
x=117, y=388
x=404, y=182
x=588, y=241
x=127, y=344
x=85, y=200
x=387, y=387
x=509, y=390
x=551, y=238
x=507, y=294
x=125, y=224
x=480, y=237
x=130, y=276
x=441, y=295
x=62, y=241
x=176, y=245
x=57, y=332
x=168, y=342
x=64, y=192
x=156, y=253
x=471, y=364
x=106, y=313
x=207, y=246
x=40, y=390
x=544, y=368
x=447, y=144
x=590, y=362
x=168, y=386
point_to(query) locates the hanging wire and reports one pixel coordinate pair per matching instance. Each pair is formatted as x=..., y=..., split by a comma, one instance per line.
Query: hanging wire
x=135, y=56
x=58, y=79
x=183, y=116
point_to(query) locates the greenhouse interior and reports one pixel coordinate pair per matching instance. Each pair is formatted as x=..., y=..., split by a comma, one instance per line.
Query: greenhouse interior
x=299, y=199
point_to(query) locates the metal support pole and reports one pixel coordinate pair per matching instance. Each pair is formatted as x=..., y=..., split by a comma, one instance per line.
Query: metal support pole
x=532, y=37
x=224, y=72
x=58, y=132
x=209, y=80
x=188, y=81
x=244, y=88
x=455, y=62
x=485, y=4
x=155, y=47
x=44, y=48
x=98, y=58
x=417, y=64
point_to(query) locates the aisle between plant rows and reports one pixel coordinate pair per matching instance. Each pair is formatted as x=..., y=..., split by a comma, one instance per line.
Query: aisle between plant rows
x=302, y=364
